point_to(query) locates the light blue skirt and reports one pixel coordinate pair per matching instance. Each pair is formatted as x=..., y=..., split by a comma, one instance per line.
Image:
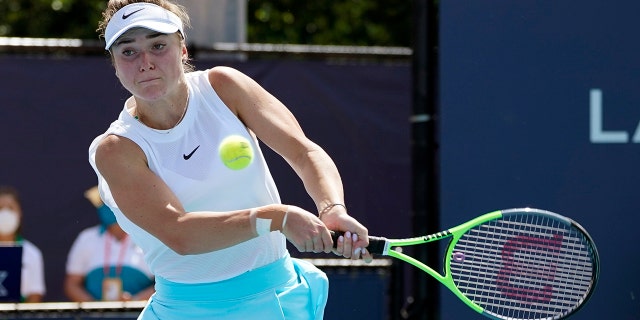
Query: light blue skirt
x=286, y=289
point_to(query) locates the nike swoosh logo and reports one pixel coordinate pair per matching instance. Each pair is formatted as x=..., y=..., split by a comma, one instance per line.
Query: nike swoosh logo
x=124, y=16
x=188, y=156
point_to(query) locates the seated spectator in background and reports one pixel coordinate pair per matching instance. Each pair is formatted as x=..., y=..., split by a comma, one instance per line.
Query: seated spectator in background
x=104, y=264
x=32, y=287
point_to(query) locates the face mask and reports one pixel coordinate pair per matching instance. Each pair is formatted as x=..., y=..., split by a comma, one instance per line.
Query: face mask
x=9, y=221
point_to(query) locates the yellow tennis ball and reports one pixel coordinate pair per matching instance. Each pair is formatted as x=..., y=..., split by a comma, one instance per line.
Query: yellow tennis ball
x=236, y=152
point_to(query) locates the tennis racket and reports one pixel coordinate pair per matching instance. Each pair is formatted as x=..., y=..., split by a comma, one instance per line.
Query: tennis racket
x=511, y=264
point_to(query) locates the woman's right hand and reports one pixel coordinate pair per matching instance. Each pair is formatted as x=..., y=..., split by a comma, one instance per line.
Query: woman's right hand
x=306, y=231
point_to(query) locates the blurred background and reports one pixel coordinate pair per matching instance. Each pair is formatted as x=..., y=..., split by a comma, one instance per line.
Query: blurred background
x=434, y=111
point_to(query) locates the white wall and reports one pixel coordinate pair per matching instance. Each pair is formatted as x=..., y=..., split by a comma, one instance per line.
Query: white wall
x=216, y=21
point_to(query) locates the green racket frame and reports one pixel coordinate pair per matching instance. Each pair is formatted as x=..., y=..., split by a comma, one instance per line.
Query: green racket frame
x=454, y=233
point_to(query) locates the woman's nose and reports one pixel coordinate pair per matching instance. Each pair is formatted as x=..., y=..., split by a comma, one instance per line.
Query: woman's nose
x=145, y=62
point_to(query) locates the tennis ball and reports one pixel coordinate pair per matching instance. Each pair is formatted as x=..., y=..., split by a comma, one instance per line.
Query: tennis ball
x=236, y=152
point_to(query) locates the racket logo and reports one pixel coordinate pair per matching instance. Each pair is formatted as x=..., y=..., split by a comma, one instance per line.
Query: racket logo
x=529, y=268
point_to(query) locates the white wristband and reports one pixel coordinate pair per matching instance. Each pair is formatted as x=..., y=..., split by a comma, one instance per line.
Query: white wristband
x=284, y=219
x=263, y=226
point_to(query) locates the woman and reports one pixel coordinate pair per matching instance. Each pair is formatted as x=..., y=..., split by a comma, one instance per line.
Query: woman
x=32, y=287
x=215, y=238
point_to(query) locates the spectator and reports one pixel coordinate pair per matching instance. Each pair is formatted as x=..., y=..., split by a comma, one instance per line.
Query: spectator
x=32, y=286
x=103, y=264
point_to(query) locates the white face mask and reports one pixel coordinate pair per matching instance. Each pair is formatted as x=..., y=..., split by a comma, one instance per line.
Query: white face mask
x=9, y=221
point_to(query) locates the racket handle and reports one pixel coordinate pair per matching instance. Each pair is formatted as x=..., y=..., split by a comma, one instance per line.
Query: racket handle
x=376, y=244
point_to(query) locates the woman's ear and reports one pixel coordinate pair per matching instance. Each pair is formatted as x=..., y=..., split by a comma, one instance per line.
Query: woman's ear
x=185, y=53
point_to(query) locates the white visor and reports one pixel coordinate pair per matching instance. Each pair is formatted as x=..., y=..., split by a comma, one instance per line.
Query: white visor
x=141, y=14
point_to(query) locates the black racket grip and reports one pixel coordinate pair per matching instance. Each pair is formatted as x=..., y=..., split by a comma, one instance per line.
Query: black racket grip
x=376, y=244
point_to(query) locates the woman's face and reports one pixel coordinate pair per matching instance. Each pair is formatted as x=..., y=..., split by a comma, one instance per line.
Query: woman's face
x=10, y=215
x=7, y=201
x=149, y=64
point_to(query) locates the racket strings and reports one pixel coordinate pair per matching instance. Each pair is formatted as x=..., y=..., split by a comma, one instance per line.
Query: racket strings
x=524, y=266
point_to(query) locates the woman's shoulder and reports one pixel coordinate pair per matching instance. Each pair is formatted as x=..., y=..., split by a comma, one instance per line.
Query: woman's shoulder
x=229, y=81
x=220, y=78
x=223, y=72
x=30, y=250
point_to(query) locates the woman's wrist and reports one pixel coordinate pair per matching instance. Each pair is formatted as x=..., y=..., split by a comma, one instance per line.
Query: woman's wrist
x=269, y=218
x=330, y=207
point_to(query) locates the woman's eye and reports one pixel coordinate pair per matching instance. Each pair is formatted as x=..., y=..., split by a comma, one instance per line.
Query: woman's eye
x=128, y=52
x=159, y=46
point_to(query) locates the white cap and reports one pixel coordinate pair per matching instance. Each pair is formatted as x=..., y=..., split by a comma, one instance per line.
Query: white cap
x=141, y=14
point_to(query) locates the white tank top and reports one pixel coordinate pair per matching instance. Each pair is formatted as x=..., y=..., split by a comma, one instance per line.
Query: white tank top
x=186, y=158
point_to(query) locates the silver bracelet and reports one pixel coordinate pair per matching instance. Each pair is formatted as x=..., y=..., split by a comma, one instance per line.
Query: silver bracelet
x=329, y=207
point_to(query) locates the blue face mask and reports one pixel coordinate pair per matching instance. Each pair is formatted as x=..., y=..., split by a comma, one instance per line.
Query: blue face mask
x=107, y=218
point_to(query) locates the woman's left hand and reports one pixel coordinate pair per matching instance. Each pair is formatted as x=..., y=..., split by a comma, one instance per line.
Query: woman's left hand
x=353, y=244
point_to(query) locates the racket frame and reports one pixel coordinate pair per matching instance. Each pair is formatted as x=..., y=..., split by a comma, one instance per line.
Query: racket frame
x=454, y=233
x=387, y=247
x=457, y=232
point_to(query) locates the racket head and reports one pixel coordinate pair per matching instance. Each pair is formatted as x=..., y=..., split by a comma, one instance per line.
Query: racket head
x=523, y=264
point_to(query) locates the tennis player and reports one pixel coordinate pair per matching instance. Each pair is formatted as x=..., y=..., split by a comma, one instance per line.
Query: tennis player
x=215, y=238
